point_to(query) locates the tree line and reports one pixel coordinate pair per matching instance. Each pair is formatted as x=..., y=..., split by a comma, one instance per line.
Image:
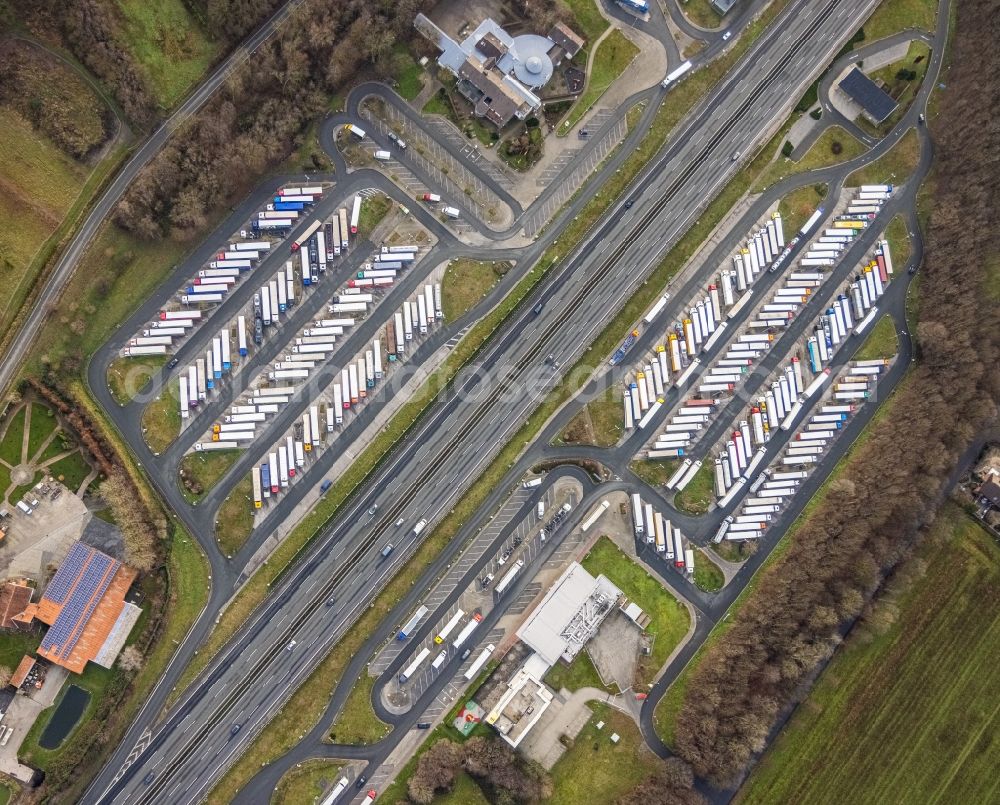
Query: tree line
x=873, y=514
x=506, y=776
x=253, y=122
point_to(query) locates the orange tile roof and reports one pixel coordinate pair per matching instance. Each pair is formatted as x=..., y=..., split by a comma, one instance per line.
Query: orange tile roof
x=23, y=669
x=14, y=598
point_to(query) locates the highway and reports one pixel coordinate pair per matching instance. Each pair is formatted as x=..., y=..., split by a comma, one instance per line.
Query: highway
x=249, y=680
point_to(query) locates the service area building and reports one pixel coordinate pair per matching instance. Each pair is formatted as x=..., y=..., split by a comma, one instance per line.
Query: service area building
x=876, y=104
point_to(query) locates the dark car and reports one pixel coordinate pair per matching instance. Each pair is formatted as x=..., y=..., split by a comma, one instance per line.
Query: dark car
x=173, y=363
x=234, y=729
x=628, y=204
x=423, y=725
x=360, y=781
x=149, y=778
x=258, y=331
x=538, y=308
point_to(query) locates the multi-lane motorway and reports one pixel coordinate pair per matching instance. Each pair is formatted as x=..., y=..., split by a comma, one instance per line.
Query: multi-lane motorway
x=180, y=758
x=253, y=675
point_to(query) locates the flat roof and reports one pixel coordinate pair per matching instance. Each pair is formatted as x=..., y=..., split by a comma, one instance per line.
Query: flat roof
x=569, y=614
x=869, y=95
x=520, y=707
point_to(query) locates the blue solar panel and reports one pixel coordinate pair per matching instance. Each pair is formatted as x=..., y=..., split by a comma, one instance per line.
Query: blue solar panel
x=91, y=580
x=68, y=572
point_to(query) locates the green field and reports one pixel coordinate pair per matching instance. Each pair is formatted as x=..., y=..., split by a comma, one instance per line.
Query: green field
x=892, y=167
x=126, y=376
x=169, y=44
x=601, y=422
x=907, y=710
x=881, y=342
x=204, y=470
x=161, y=419
x=357, y=723
x=37, y=189
x=581, y=673
x=654, y=472
x=234, y=521
x=613, y=55
x=833, y=146
x=466, y=282
x=307, y=782
x=595, y=770
x=669, y=618
x=71, y=470
x=701, y=13
x=897, y=15
x=707, y=575
x=589, y=22
x=698, y=495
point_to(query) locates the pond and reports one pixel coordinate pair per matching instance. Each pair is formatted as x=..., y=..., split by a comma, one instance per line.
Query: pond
x=65, y=717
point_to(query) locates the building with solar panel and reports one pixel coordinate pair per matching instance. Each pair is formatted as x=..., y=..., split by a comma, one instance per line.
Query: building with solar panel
x=85, y=609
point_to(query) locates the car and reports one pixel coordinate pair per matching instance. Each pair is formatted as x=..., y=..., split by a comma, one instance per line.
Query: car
x=466, y=653
x=327, y=483
x=921, y=117
x=149, y=778
x=291, y=645
x=538, y=308
x=399, y=522
x=395, y=138
x=736, y=155
x=911, y=270
x=372, y=510
x=234, y=729
x=423, y=725
x=727, y=36
x=362, y=779
x=629, y=203
x=486, y=580
x=387, y=550
x=331, y=601
x=173, y=363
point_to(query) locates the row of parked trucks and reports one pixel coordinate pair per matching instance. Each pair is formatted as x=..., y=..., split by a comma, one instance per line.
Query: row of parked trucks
x=768, y=493
x=656, y=530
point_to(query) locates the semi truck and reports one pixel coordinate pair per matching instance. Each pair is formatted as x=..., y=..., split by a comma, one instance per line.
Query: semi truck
x=410, y=626
x=479, y=662
x=355, y=215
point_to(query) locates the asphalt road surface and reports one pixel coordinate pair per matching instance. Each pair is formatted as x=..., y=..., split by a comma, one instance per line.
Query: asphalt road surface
x=255, y=674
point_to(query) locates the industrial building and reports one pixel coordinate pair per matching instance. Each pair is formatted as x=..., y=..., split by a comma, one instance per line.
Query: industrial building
x=522, y=704
x=876, y=104
x=85, y=608
x=500, y=74
x=569, y=614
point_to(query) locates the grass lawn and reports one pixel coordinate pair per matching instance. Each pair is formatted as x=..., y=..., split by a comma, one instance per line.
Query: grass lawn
x=698, y=495
x=797, y=206
x=205, y=469
x=40, y=183
x=438, y=105
x=904, y=91
x=234, y=521
x=127, y=375
x=581, y=673
x=891, y=168
x=707, y=575
x=467, y=281
x=908, y=705
x=654, y=472
x=43, y=423
x=373, y=210
x=730, y=550
x=10, y=445
x=600, y=422
x=7, y=790
x=14, y=645
x=897, y=15
x=161, y=419
x=71, y=470
x=701, y=13
x=588, y=20
x=613, y=55
x=900, y=247
x=669, y=617
x=357, y=723
x=833, y=146
x=881, y=342
x=407, y=73
x=169, y=44
x=307, y=782
x=596, y=770
x=464, y=791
